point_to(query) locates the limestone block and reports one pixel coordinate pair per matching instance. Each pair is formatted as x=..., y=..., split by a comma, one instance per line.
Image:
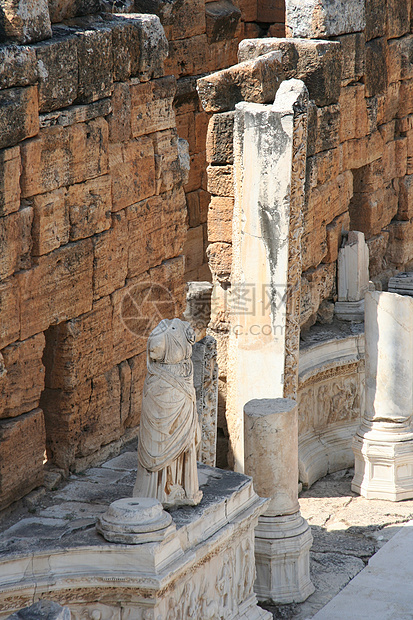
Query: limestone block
x=23, y=382
x=352, y=57
x=57, y=80
x=219, y=143
x=110, y=257
x=9, y=311
x=319, y=20
x=58, y=287
x=194, y=248
x=375, y=67
x=377, y=249
x=50, y=222
x=198, y=309
x=137, y=366
x=323, y=128
x=360, y=152
x=398, y=18
x=353, y=268
x=334, y=235
x=65, y=9
x=371, y=177
x=95, y=64
x=42, y=610
x=89, y=207
x=253, y=80
x=353, y=118
x=269, y=11
x=316, y=285
x=151, y=106
x=15, y=238
x=249, y=10
x=79, y=349
x=76, y=114
x=399, y=59
x=370, y=213
x=220, y=216
x=220, y=260
x=19, y=116
x=188, y=57
x=197, y=205
x=323, y=167
x=132, y=168
x=316, y=63
x=405, y=209
x=18, y=64
x=376, y=18
x=221, y=180
x=21, y=461
x=61, y=156
x=180, y=19
x=126, y=44
x=405, y=98
x=222, y=19
x=168, y=171
x=10, y=166
x=400, y=247
x=119, y=120
x=25, y=21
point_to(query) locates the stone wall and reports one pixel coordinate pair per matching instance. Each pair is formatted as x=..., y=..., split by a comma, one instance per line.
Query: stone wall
x=356, y=64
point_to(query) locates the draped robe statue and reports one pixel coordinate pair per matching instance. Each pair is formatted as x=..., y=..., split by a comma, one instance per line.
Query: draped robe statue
x=169, y=430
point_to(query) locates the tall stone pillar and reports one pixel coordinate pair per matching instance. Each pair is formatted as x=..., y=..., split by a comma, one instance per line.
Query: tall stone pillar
x=383, y=444
x=269, y=171
x=353, y=277
x=282, y=537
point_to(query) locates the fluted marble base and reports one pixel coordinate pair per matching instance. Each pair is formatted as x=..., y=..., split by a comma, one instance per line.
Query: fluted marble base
x=383, y=469
x=282, y=559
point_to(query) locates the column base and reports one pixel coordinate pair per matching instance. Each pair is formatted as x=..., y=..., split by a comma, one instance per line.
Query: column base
x=282, y=559
x=383, y=469
x=350, y=310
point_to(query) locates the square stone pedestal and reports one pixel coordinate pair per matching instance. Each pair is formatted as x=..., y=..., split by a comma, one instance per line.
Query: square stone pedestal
x=282, y=546
x=383, y=469
x=350, y=310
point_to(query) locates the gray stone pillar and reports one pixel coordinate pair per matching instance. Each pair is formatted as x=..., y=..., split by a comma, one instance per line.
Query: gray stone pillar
x=383, y=444
x=282, y=537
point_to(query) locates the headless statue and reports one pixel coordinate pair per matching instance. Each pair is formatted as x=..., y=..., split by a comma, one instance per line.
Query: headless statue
x=169, y=430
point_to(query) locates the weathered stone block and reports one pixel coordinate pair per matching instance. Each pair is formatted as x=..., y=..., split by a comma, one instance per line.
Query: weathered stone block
x=313, y=247
x=400, y=247
x=23, y=382
x=400, y=59
x=151, y=106
x=119, y=121
x=132, y=166
x=63, y=156
x=253, y=80
x=377, y=248
x=221, y=180
x=326, y=18
x=370, y=178
x=220, y=216
x=323, y=128
x=323, y=167
x=360, y=152
x=138, y=373
x=352, y=57
x=110, y=257
x=10, y=165
x=370, y=213
x=316, y=63
x=376, y=16
x=25, y=21
x=405, y=98
x=89, y=207
x=405, y=210
x=249, y=10
x=65, y=9
x=9, y=312
x=375, y=67
x=222, y=19
x=50, y=222
x=398, y=18
x=194, y=248
x=19, y=115
x=271, y=11
x=21, y=462
x=42, y=610
x=197, y=205
x=181, y=19
x=15, y=241
x=316, y=285
x=220, y=260
x=334, y=235
x=220, y=136
x=80, y=349
x=168, y=172
x=353, y=117
x=18, y=65
x=95, y=61
x=57, y=80
x=58, y=288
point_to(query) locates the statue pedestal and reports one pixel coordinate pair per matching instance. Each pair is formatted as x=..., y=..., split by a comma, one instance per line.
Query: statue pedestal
x=201, y=565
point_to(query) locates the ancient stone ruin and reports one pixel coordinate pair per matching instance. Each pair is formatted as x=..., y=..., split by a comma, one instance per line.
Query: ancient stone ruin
x=239, y=171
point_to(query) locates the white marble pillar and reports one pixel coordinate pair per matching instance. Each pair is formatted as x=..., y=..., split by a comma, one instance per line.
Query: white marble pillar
x=269, y=172
x=383, y=444
x=352, y=277
x=282, y=537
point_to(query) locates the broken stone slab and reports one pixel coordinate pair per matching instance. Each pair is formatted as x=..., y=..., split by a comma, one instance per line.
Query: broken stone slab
x=25, y=21
x=402, y=283
x=42, y=610
x=316, y=63
x=222, y=19
x=253, y=80
x=318, y=19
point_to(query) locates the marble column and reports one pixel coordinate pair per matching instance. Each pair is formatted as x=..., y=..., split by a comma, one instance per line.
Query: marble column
x=383, y=444
x=353, y=277
x=282, y=537
x=269, y=172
